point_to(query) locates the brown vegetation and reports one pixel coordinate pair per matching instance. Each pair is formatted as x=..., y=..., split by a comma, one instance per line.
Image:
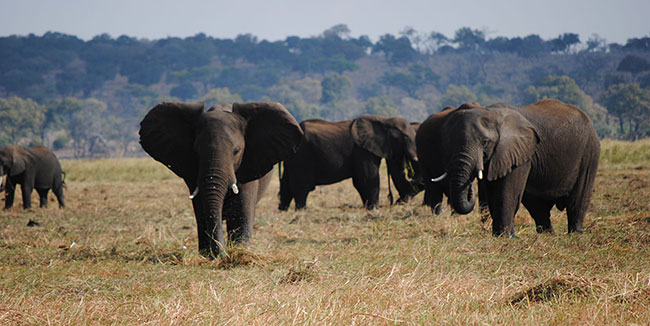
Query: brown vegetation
x=124, y=252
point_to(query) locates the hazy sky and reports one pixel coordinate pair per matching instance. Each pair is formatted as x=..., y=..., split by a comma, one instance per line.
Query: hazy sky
x=615, y=20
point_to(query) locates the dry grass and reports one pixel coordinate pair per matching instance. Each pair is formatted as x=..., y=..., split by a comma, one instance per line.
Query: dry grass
x=124, y=252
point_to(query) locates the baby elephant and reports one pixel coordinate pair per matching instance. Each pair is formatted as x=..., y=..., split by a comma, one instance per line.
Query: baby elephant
x=34, y=167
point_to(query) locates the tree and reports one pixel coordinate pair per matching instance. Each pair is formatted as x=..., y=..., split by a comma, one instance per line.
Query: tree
x=435, y=41
x=20, y=118
x=334, y=87
x=293, y=98
x=406, y=82
x=340, y=31
x=383, y=106
x=457, y=95
x=469, y=39
x=396, y=50
x=562, y=88
x=595, y=43
x=86, y=123
x=633, y=64
x=564, y=42
x=630, y=104
x=220, y=96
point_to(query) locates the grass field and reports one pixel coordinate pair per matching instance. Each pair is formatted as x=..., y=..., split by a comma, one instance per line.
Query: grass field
x=124, y=252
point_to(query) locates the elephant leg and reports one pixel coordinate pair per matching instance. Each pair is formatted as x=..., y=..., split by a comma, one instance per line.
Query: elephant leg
x=42, y=194
x=301, y=200
x=27, y=195
x=58, y=192
x=239, y=212
x=366, y=181
x=504, y=197
x=286, y=195
x=10, y=192
x=540, y=210
x=483, y=209
x=580, y=197
x=368, y=189
x=433, y=198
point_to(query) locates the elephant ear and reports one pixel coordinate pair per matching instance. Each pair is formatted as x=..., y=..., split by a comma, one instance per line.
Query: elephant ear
x=167, y=134
x=19, y=160
x=370, y=133
x=518, y=140
x=272, y=135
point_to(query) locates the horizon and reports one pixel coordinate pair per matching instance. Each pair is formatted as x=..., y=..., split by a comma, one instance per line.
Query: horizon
x=152, y=20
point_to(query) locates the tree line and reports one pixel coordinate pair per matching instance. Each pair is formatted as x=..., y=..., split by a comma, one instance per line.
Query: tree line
x=88, y=96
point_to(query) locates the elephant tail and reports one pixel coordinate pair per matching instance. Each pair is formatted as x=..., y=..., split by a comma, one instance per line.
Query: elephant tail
x=390, y=191
x=63, y=180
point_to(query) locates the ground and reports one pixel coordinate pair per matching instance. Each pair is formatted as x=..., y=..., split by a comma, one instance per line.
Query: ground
x=124, y=251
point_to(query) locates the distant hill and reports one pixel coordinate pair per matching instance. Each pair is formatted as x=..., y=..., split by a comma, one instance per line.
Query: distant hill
x=88, y=96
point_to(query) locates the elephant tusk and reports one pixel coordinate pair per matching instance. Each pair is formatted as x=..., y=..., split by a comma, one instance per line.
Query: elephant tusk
x=480, y=174
x=438, y=179
x=234, y=188
x=194, y=193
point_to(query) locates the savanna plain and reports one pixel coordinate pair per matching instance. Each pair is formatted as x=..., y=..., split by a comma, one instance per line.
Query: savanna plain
x=123, y=252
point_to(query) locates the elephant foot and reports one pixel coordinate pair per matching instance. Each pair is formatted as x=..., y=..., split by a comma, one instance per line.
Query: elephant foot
x=542, y=229
x=402, y=200
x=283, y=208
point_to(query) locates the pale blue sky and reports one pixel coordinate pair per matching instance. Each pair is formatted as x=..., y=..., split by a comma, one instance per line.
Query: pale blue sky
x=615, y=20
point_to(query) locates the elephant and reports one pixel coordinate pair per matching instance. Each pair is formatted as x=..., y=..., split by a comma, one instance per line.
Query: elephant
x=35, y=167
x=225, y=158
x=541, y=155
x=334, y=151
x=409, y=188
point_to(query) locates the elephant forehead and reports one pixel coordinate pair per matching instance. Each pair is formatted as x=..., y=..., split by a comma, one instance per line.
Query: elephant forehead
x=221, y=120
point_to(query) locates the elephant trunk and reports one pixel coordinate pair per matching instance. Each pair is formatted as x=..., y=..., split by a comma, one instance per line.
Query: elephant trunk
x=216, y=178
x=460, y=185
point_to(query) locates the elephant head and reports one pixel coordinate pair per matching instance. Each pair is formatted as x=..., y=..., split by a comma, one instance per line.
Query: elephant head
x=13, y=160
x=389, y=138
x=214, y=151
x=392, y=139
x=482, y=142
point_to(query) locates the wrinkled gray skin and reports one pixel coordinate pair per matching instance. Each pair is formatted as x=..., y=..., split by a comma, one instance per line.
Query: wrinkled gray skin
x=33, y=168
x=334, y=151
x=224, y=157
x=542, y=155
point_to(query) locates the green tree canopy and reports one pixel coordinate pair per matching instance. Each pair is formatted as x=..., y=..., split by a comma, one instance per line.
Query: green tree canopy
x=383, y=106
x=334, y=87
x=20, y=118
x=220, y=96
x=562, y=88
x=457, y=95
x=631, y=104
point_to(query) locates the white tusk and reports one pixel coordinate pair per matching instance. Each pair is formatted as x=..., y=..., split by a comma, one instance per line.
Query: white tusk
x=438, y=179
x=196, y=191
x=234, y=188
x=480, y=174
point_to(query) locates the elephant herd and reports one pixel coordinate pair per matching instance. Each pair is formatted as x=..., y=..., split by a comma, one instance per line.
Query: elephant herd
x=540, y=155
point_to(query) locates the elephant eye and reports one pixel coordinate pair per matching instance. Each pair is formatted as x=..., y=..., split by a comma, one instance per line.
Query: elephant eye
x=485, y=141
x=236, y=151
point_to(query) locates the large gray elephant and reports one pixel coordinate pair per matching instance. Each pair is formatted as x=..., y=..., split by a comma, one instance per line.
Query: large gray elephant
x=224, y=157
x=542, y=155
x=334, y=151
x=33, y=168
